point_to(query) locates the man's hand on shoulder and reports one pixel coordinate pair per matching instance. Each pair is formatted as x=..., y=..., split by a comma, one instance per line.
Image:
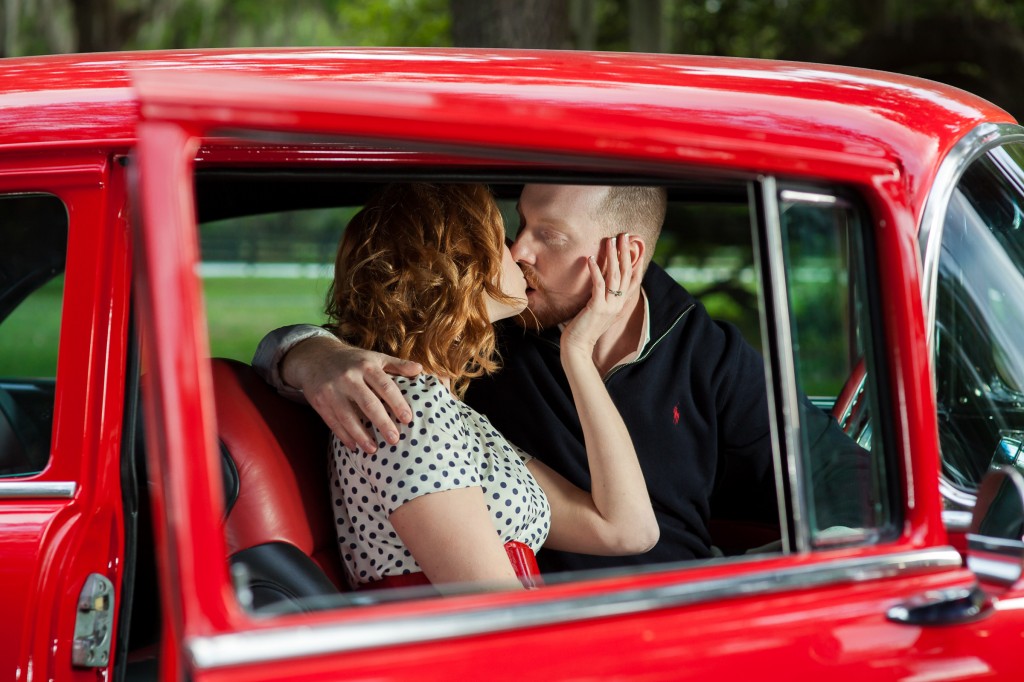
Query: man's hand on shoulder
x=348, y=385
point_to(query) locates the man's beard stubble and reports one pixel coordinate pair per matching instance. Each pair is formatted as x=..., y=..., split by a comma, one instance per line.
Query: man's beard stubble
x=548, y=315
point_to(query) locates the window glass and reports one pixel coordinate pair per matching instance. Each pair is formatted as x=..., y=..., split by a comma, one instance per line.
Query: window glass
x=845, y=475
x=265, y=271
x=272, y=269
x=706, y=247
x=33, y=232
x=980, y=320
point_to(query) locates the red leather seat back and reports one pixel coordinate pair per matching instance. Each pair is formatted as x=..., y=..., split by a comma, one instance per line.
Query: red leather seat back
x=280, y=451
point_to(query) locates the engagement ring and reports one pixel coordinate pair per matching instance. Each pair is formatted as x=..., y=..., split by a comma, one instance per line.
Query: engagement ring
x=613, y=292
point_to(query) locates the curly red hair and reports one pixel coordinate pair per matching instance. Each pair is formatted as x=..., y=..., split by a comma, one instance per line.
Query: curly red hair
x=411, y=277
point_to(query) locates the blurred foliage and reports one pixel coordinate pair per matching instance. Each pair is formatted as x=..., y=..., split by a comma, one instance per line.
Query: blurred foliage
x=752, y=28
x=977, y=45
x=47, y=26
x=974, y=44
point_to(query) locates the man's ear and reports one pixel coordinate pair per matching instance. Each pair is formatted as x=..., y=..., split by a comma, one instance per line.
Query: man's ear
x=637, y=249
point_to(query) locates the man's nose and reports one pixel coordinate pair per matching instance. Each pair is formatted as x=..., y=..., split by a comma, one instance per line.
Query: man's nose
x=519, y=249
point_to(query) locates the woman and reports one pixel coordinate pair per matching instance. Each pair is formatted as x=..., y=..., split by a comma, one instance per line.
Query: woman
x=421, y=273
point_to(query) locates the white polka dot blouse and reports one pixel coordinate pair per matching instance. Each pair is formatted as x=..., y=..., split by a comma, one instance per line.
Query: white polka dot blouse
x=448, y=445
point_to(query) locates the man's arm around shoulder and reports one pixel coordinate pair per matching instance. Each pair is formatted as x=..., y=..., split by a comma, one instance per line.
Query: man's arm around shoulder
x=345, y=385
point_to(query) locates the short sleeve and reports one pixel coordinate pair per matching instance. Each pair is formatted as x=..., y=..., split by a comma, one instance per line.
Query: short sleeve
x=434, y=452
x=522, y=454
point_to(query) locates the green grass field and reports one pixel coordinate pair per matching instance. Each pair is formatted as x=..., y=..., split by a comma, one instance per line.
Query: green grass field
x=239, y=312
x=28, y=337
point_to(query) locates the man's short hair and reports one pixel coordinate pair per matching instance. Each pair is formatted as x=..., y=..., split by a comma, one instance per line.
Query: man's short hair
x=639, y=210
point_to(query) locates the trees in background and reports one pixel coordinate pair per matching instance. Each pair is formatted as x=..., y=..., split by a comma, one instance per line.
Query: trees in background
x=540, y=24
x=49, y=26
x=974, y=44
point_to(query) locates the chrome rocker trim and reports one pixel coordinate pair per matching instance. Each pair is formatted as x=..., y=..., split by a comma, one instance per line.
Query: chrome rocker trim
x=37, y=490
x=262, y=646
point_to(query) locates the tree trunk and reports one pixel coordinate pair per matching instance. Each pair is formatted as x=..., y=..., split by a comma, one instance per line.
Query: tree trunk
x=55, y=27
x=522, y=24
x=584, y=24
x=107, y=25
x=9, y=46
x=646, y=22
x=92, y=19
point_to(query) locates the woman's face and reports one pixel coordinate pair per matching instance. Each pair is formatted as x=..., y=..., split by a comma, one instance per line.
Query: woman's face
x=513, y=284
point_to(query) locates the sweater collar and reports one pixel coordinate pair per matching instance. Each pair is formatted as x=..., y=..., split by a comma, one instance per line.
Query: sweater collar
x=667, y=299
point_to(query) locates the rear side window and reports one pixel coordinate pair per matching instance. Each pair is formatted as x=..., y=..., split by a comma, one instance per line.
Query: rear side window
x=34, y=234
x=850, y=495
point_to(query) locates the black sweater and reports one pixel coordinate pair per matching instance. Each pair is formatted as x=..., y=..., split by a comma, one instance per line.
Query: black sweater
x=694, y=403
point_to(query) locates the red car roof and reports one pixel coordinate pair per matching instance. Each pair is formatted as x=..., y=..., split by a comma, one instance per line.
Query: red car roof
x=812, y=111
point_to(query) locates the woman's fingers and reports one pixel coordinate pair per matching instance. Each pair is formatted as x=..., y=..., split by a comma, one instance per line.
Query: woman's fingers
x=612, y=274
x=625, y=261
x=621, y=277
x=597, y=281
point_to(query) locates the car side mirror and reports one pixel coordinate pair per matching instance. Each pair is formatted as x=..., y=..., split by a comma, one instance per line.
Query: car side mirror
x=995, y=543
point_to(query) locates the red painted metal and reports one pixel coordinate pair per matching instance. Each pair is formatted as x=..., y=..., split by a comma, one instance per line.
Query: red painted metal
x=184, y=449
x=50, y=546
x=64, y=119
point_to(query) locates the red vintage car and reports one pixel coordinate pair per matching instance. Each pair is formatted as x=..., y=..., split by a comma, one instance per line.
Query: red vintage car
x=872, y=223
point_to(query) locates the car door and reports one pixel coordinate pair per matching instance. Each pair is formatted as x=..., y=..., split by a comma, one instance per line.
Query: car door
x=851, y=603
x=63, y=340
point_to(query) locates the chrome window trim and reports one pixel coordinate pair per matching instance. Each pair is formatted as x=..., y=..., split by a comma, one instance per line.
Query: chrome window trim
x=979, y=141
x=279, y=644
x=929, y=235
x=37, y=490
x=956, y=498
x=956, y=520
x=773, y=271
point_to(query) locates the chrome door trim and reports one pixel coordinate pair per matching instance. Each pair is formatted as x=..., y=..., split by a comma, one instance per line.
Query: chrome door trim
x=37, y=490
x=971, y=146
x=279, y=644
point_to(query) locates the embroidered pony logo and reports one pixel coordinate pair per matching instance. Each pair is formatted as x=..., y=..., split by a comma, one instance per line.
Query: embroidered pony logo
x=675, y=414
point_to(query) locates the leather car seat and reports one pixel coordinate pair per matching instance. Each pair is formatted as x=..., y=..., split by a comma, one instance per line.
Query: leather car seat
x=279, y=521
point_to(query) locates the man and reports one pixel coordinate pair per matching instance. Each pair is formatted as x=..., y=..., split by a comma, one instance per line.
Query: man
x=691, y=390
